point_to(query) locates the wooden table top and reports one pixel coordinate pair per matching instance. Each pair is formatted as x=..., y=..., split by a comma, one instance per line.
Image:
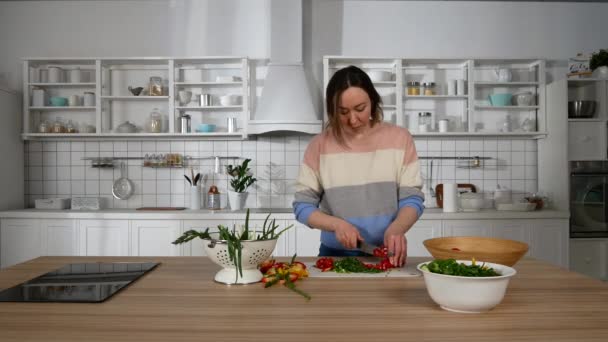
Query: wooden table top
x=179, y=301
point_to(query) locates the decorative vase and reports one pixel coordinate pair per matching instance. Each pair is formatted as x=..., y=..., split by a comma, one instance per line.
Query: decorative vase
x=237, y=200
x=600, y=72
x=195, y=198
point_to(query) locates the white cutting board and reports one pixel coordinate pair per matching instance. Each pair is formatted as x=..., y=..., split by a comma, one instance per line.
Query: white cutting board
x=409, y=270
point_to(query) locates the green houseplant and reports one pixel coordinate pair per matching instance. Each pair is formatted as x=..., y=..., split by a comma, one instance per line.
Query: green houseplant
x=241, y=179
x=599, y=63
x=245, y=248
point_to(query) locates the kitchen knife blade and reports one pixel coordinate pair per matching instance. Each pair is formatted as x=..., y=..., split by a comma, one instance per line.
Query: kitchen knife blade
x=366, y=247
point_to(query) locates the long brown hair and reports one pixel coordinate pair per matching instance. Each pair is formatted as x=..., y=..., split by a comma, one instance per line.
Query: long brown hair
x=344, y=78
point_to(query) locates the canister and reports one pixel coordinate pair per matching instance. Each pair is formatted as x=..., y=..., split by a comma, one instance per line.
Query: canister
x=231, y=124
x=429, y=88
x=213, y=198
x=74, y=75
x=89, y=99
x=55, y=74
x=183, y=122
x=205, y=100
x=38, y=97
x=413, y=88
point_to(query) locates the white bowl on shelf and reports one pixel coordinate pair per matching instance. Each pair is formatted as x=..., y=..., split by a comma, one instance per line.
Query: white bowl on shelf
x=380, y=76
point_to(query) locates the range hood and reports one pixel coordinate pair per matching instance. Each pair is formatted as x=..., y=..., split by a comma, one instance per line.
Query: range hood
x=285, y=103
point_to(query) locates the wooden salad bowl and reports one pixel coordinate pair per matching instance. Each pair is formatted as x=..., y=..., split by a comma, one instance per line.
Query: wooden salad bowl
x=498, y=251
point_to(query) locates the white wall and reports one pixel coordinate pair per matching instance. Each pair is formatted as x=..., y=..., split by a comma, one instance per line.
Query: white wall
x=129, y=28
x=550, y=30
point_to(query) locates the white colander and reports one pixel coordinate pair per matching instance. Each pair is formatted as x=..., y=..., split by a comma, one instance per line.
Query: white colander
x=253, y=253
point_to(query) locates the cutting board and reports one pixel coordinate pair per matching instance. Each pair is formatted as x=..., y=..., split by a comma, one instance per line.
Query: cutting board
x=409, y=270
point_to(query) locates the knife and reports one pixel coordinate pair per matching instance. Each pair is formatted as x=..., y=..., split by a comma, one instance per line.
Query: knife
x=366, y=247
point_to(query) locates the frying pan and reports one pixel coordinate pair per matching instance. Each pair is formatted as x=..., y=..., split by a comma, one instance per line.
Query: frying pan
x=122, y=188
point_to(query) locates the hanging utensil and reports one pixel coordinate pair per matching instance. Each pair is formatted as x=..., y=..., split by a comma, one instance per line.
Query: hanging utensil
x=122, y=188
x=188, y=179
x=197, y=178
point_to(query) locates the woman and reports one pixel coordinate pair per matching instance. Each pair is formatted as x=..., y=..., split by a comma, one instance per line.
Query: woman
x=360, y=178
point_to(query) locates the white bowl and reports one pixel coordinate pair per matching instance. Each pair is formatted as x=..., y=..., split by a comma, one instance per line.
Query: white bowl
x=230, y=100
x=380, y=76
x=468, y=294
x=472, y=204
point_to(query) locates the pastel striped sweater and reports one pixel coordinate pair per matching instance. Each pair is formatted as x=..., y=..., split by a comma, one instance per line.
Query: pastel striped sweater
x=366, y=184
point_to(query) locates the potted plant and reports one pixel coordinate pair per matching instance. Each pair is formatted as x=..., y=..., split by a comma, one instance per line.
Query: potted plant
x=599, y=63
x=241, y=180
x=238, y=251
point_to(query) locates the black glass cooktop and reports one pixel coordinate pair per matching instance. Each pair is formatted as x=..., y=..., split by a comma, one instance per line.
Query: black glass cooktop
x=86, y=283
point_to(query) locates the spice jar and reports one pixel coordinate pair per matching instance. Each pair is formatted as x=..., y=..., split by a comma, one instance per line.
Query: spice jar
x=413, y=88
x=58, y=126
x=155, y=122
x=213, y=198
x=71, y=128
x=428, y=88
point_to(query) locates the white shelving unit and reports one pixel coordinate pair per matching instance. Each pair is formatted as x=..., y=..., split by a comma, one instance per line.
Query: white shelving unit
x=469, y=114
x=109, y=79
x=588, y=137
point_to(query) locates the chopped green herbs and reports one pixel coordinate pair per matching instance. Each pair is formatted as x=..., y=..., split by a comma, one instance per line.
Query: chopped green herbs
x=353, y=265
x=451, y=267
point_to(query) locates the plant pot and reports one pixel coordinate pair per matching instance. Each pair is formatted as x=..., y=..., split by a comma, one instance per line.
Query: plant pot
x=237, y=200
x=600, y=72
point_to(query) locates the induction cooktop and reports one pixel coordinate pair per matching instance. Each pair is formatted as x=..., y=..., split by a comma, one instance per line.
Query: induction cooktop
x=84, y=282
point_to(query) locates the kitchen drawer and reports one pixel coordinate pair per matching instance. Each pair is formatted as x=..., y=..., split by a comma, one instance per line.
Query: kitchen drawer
x=589, y=257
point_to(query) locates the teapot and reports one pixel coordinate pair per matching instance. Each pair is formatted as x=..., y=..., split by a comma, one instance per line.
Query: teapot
x=503, y=74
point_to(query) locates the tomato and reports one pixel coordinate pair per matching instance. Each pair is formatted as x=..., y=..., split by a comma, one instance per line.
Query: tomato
x=456, y=249
x=325, y=264
x=381, y=251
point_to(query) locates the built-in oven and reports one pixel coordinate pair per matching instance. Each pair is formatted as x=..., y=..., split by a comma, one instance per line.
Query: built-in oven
x=589, y=199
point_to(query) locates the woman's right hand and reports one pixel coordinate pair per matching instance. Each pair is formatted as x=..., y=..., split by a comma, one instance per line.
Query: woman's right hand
x=347, y=234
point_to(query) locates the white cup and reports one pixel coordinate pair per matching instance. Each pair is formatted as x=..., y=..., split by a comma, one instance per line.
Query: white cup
x=38, y=98
x=89, y=99
x=460, y=87
x=443, y=125
x=74, y=101
x=74, y=75
x=55, y=74
x=451, y=87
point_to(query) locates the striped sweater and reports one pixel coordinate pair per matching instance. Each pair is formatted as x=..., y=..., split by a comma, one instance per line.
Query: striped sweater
x=366, y=184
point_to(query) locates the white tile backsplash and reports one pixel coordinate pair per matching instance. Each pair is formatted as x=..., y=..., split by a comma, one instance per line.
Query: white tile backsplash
x=58, y=168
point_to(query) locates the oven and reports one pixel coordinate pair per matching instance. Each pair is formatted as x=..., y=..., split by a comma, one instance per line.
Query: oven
x=589, y=199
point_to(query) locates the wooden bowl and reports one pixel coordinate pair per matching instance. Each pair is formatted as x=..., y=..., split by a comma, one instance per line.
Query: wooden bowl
x=498, y=251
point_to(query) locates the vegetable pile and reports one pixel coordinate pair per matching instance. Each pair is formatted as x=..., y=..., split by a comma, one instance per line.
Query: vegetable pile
x=354, y=265
x=451, y=267
x=284, y=274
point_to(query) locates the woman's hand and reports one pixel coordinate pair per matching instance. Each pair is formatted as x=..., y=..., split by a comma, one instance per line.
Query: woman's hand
x=395, y=241
x=347, y=234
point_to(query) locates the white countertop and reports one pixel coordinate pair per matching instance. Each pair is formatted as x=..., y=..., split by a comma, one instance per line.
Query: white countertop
x=258, y=213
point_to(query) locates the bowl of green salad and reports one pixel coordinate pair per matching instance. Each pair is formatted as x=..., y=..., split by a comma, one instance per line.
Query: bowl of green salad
x=466, y=286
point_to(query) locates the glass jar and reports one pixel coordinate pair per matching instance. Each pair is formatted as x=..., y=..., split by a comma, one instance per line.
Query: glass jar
x=58, y=126
x=44, y=127
x=70, y=127
x=428, y=88
x=155, y=122
x=424, y=121
x=413, y=88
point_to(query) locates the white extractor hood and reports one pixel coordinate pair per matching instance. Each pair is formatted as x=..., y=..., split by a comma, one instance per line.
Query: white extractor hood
x=285, y=103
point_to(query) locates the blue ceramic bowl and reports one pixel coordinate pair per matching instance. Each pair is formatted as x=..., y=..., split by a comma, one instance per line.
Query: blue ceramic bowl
x=500, y=99
x=57, y=101
x=205, y=128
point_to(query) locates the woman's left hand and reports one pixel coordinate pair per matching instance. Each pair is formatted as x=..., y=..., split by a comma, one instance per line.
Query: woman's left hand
x=395, y=241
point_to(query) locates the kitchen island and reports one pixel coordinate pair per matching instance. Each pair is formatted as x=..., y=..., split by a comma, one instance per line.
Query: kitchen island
x=179, y=301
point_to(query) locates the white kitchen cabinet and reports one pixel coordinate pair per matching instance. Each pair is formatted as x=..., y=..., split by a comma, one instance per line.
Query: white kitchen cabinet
x=21, y=240
x=589, y=257
x=466, y=228
x=109, y=79
x=308, y=240
x=422, y=230
x=104, y=237
x=469, y=111
x=61, y=237
x=195, y=247
x=587, y=140
x=154, y=237
x=549, y=241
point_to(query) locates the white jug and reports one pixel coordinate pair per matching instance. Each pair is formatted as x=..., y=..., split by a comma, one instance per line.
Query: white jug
x=503, y=74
